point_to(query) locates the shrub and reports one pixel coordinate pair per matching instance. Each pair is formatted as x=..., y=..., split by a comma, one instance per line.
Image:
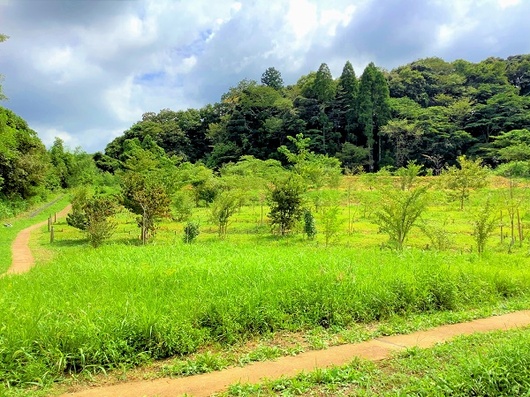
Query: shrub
x=286, y=204
x=191, y=231
x=310, y=228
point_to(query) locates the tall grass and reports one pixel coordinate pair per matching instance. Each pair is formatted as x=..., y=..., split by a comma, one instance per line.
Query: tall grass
x=122, y=305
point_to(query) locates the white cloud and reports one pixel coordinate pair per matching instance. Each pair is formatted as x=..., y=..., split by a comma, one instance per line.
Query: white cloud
x=508, y=3
x=122, y=100
x=80, y=72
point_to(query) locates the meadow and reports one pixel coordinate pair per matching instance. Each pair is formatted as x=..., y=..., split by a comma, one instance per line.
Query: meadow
x=85, y=310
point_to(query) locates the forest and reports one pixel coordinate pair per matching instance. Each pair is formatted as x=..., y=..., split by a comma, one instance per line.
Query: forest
x=428, y=112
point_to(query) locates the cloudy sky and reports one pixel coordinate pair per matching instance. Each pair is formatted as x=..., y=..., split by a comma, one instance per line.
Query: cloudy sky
x=86, y=70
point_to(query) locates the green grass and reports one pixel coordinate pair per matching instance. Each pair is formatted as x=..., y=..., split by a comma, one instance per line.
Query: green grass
x=8, y=234
x=94, y=310
x=492, y=364
x=123, y=304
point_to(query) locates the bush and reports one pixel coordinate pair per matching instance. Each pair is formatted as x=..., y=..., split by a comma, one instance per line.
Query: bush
x=515, y=169
x=182, y=206
x=310, y=228
x=191, y=231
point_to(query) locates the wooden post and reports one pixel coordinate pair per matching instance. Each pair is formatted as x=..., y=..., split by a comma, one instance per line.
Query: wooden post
x=519, y=228
x=502, y=235
x=55, y=218
x=52, y=235
x=49, y=223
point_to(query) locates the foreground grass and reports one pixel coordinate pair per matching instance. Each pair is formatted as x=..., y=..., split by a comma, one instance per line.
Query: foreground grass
x=95, y=310
x=498, y=366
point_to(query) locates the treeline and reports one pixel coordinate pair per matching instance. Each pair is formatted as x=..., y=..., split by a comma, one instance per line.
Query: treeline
x=429, y=111
x=29, y=172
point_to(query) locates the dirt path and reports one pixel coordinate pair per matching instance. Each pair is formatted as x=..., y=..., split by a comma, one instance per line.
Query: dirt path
x=377, y=349
x=22, y=257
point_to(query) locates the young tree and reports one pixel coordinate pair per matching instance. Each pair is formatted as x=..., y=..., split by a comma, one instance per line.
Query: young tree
x=330, y=222
x=484, y=223
x=285, y=203
x=408, y=175
x=223, y=207
x=92, y=214
x=310, y=228
x=191, y=231
x=400, y=209
x=98, y=212
x=317, y=170
x=468, y=176
x=77, y=217
x=146, y=196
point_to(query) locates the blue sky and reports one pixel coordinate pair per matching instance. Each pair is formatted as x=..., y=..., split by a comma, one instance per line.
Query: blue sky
x=86, y=71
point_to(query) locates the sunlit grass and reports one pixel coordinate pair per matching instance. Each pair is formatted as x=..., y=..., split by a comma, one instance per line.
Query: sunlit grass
x=124, y=304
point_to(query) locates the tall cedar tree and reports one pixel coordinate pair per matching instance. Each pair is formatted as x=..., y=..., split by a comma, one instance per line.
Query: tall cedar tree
x=344, y=104
x=374, y=111
x=324, y=92
x=272, y=78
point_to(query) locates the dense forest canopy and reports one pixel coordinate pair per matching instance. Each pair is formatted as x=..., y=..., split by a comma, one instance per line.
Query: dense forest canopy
x=429, y=111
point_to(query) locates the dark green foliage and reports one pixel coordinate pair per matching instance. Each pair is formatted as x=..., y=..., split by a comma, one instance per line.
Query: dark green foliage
x=92, y=215
x=285, y=201
x=272, y=78
x=344, y=106
x=24, y=162
x=429, y=111
x=77, y=218
x=373, y=111
x=310, y=228
x=191, y=231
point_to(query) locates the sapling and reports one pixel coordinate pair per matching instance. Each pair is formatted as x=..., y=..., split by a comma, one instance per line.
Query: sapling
x=484, y=223
x=400, y=209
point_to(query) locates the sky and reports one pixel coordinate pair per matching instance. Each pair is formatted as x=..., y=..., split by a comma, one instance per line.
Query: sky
x=86, y=70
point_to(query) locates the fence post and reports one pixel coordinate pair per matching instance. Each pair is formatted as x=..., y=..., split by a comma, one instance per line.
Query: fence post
x=49, y=223
x=52, y=235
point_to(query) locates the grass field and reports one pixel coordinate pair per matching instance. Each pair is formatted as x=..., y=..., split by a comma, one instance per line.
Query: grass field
x=85, y=310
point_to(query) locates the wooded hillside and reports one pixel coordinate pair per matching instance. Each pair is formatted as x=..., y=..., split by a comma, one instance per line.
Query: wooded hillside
x=429, y=111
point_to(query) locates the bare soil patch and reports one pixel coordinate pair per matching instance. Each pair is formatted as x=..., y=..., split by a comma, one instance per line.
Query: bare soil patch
x=23, y=259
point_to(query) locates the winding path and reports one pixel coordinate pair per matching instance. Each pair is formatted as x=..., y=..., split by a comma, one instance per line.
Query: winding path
x=374, y=350
x=22, y=258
